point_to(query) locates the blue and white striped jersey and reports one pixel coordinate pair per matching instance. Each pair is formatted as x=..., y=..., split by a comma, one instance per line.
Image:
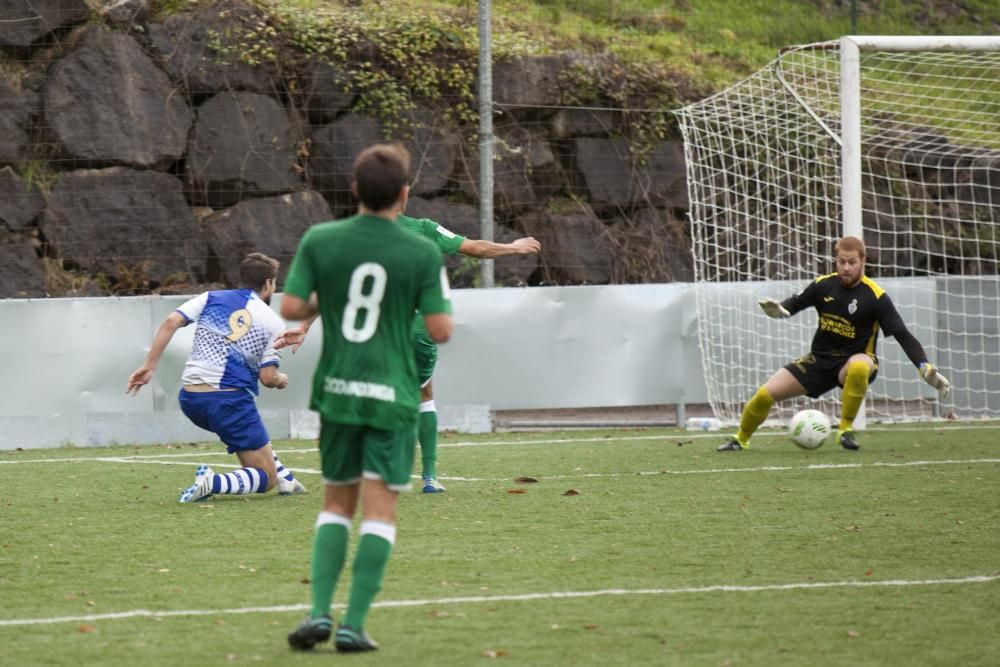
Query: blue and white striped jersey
x=233, y=341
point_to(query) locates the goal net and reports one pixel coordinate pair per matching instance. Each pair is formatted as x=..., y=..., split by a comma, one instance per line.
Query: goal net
x=905, y=152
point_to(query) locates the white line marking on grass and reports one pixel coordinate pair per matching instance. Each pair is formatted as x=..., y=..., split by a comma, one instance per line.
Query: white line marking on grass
x=712, y=471
x=524, y=597
x=593, y=475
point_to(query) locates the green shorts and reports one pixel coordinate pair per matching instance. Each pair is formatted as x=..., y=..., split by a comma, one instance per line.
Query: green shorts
x=349, y=452
x=425, y=351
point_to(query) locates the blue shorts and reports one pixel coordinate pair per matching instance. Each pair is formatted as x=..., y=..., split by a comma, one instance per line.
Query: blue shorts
x=231, y=415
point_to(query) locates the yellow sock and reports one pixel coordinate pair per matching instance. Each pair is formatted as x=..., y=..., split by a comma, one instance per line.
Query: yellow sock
x=754, y=414
x=855, y=388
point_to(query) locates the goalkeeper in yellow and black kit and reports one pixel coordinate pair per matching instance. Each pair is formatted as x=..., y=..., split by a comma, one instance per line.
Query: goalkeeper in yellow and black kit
x=852, y=309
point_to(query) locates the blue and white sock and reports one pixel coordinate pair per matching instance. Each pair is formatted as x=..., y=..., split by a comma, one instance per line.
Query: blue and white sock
x=240, y=482
x=283, y=472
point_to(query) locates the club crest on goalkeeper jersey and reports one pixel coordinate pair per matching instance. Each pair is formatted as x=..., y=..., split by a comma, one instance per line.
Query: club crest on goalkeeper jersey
x=233, y=341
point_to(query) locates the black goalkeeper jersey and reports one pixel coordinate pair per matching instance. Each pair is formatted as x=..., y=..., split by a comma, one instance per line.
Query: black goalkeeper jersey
x=850, y=318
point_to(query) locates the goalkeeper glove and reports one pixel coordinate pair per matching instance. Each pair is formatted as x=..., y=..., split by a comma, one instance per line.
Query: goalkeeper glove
x=773, y=308
x=934, y=378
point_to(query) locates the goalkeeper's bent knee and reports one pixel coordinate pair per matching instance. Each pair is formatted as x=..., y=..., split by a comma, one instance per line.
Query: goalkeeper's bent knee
x=855, y=388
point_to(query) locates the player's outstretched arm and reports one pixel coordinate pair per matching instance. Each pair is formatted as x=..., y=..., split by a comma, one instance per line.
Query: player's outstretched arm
x=144, y=373
x=527, y=245
x=773, y=308
x=295, y=336
x=932, y=376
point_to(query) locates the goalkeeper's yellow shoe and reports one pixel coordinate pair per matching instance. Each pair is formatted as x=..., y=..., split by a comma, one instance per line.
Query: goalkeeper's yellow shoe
x=847, y=440
x=733, y=445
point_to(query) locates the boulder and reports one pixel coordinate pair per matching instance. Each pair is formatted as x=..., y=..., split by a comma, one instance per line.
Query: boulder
x=19, y=203
x=15, y=122
x=331, y=161
x=525, y=171
x=661, y=176
x=125, y=14
x=433, y=147
x=87, y=92
x=21, y=272
x=243, y=145
x=610, y=175
x=22, y=22
x=326, y=91
x=116, y=220
x=574, y=122
x=533, y=86
x=575, y=247
x=271, y=225
x=204, y=50
x=605, y=171
x=651, y=245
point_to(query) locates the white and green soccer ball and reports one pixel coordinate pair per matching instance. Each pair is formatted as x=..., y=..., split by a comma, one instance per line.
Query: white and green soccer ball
x=809, y=429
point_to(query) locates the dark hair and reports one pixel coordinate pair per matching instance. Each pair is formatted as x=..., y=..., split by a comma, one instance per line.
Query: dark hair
x=851, y=244
x=380, y=174
x=256, y=269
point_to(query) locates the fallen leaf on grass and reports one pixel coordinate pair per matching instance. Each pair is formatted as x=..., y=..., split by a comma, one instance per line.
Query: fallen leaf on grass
x=437, y=613
x=516, y=491
x=526, y=480
x=87, y=628
x=590, y=626
x=869, y=573
x=494, y=654
x=572, y=492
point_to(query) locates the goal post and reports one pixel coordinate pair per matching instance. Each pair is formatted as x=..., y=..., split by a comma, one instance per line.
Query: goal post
x=892, y=139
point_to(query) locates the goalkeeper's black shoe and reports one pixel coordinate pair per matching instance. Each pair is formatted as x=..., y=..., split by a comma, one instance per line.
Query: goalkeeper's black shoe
x=310, y=632
x=732, y=445
x=848, y=441
x=349, y=640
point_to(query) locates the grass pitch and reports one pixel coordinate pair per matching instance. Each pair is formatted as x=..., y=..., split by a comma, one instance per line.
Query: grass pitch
x=632, y=547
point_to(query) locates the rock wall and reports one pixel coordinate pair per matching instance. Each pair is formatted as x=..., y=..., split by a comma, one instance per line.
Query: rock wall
x=141, y=154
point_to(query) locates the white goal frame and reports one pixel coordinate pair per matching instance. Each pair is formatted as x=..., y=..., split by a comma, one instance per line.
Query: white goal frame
x=718, y=173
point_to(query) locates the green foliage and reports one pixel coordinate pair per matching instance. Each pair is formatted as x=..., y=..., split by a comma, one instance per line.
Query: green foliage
x=162, y=9
x=420, y=56
x=812, y=540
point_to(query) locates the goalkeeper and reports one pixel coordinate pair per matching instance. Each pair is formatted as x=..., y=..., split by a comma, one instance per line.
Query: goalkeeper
x=852, y=309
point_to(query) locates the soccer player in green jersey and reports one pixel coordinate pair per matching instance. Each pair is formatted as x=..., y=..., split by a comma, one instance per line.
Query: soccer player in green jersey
x=365, y=276
x=424, y=348
x=852, y=308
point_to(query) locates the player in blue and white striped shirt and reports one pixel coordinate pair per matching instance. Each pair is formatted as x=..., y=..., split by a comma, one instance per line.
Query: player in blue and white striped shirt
x=233, y=349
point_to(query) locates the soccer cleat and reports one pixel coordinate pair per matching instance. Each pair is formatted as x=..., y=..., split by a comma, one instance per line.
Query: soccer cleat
x=290, y=487
x=732, y=445
x=847, y=440
x=349, y=640
x=202, y=487
x=431, y=485
x=310, y=632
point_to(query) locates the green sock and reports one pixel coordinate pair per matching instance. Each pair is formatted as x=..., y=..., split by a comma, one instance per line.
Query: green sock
x=427, y=434
x=329, y=554
x=369, y=570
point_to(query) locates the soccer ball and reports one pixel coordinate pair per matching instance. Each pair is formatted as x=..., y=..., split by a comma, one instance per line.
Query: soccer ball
x=809, y=428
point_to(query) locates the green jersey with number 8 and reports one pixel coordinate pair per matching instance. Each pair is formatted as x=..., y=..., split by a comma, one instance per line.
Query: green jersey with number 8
x=369, y=275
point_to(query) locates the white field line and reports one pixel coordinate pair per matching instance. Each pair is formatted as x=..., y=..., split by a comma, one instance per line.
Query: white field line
x=636, y=473
x=670, y=437
x=524, y=597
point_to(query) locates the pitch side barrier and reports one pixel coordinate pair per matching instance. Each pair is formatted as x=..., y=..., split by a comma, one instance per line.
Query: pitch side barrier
x=67, y=360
